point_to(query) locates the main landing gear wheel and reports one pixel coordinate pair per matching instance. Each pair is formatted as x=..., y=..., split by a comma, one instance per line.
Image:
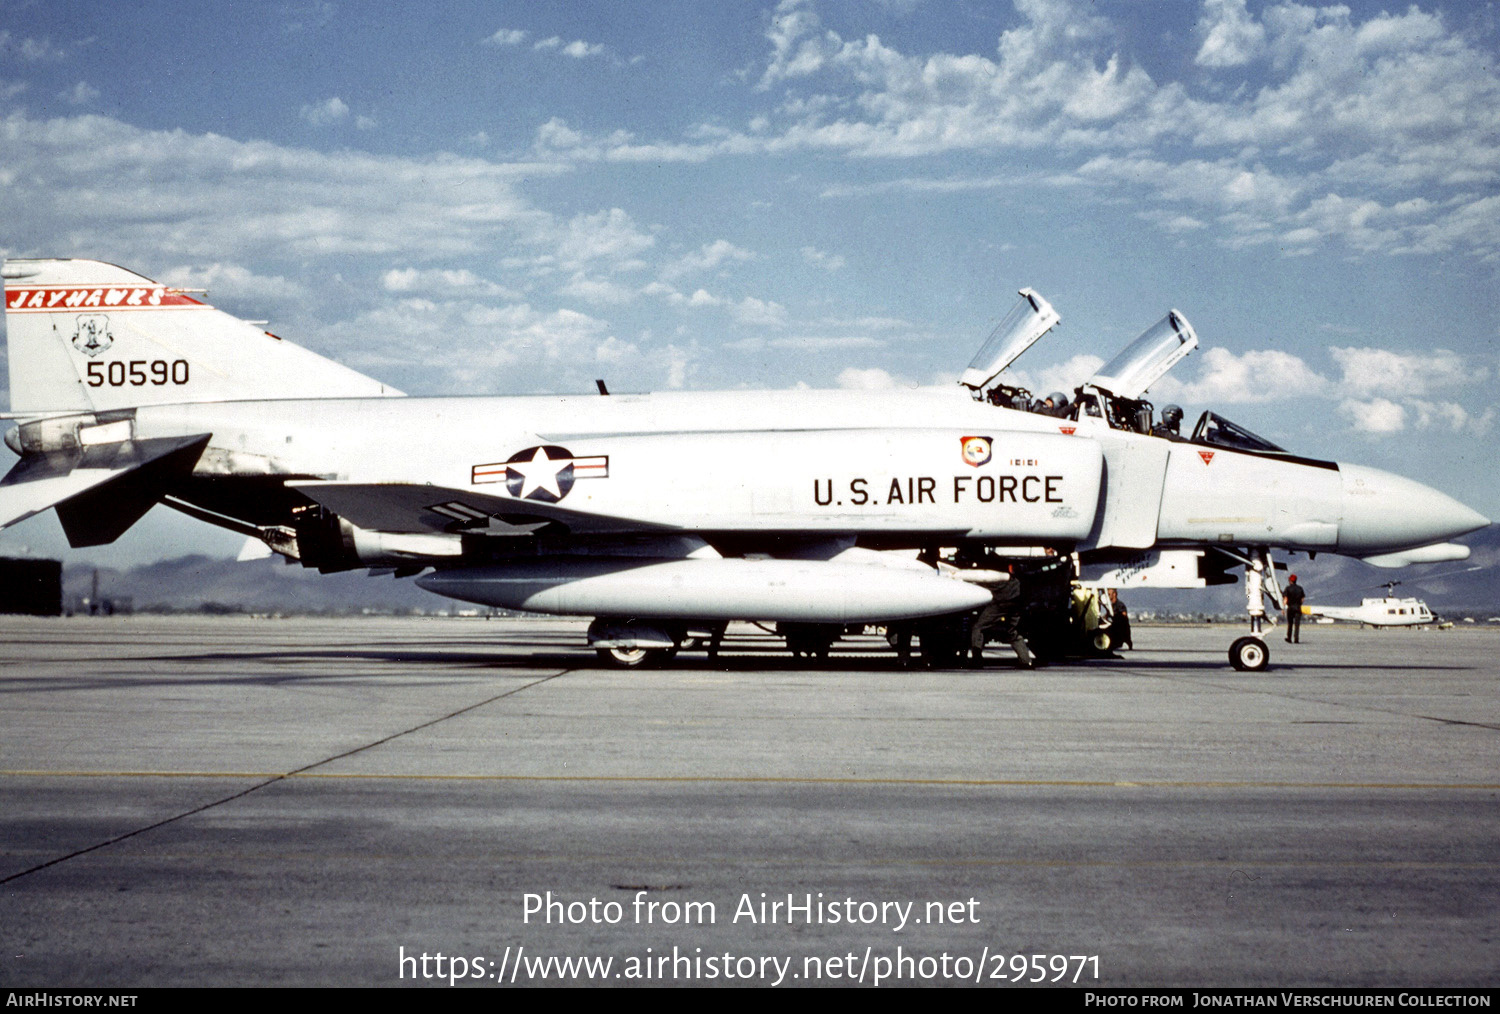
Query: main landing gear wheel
x=810, y=640
x=1249, y=654
x=637, y=658
x=943, y=640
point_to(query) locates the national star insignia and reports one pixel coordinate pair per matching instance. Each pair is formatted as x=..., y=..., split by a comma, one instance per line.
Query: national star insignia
x=545, y=473
x=540, y=473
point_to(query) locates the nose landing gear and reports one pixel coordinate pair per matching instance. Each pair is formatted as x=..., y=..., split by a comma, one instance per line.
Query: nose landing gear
x=1249, y=654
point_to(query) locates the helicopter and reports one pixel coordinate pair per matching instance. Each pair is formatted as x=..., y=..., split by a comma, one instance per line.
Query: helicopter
x=1386, y=611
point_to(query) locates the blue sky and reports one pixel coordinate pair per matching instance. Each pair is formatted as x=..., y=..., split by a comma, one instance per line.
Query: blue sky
x=516, y=198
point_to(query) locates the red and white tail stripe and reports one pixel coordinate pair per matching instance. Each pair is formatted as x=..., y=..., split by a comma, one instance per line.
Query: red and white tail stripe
x=40, y=299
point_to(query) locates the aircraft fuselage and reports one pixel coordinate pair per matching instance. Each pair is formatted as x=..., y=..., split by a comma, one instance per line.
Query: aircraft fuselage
x=910, y=463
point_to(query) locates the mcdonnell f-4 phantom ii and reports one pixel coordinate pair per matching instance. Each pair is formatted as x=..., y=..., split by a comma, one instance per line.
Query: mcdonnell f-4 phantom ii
x=663, y=516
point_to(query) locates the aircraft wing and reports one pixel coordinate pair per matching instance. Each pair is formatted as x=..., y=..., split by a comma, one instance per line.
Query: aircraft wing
x=417, y=507
x=96, y=487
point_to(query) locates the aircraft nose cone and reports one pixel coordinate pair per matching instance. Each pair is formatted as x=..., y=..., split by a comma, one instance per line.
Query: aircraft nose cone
x=1385, y=512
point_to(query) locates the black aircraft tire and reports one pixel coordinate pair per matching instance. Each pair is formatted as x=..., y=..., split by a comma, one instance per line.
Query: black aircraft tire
x=636, y=658
x=1046, y=648
x=1249, y=654
x=810, y=640
x=942, y=643
x=939, y=648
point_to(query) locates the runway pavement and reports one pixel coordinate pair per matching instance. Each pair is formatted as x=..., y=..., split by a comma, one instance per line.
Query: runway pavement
x=206, y=801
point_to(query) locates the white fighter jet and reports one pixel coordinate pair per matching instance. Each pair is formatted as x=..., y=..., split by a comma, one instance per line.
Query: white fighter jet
x=664, y=516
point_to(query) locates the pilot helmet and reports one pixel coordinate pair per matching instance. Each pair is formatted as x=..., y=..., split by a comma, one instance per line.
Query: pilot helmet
x=1058, y=399
x=1172, y=415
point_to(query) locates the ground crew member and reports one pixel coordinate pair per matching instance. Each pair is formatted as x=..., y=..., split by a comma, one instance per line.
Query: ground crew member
x=1002, y=616
x=1295, y=593
x=1119, y=628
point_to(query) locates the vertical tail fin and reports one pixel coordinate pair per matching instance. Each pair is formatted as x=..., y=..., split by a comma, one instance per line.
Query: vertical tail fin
x=89, y=337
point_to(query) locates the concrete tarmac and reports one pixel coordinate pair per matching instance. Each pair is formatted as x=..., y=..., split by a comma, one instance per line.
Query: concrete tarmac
x=233, y=801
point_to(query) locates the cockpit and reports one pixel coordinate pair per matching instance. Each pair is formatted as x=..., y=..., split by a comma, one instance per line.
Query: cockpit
x=1215, y=430
x=1027, y=321
x=1116, y=392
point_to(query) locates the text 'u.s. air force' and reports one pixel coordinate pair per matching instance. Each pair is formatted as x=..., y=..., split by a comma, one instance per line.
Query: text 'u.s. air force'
x=911, y=490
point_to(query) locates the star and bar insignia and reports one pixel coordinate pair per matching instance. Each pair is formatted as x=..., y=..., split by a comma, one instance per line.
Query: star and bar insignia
x=545, y=473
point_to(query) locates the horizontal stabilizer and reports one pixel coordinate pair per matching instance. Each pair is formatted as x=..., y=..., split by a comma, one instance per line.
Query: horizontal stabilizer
x=97, y=489
x=412, y=507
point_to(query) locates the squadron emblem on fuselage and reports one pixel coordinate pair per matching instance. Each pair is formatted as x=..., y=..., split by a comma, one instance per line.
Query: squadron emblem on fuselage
x=976, y=450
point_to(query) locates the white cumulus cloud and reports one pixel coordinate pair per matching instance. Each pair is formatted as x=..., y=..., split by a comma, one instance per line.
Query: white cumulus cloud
x=1451, y=416
x=853, y=378
x=1411, y=374
x=822, y=259
x=708, y=257
x=610, y=238
x=234, y=281
x=451, y=280
x=760, y=312
x=1231, y=37
x=320, y=114
x=81, y=94
x=506, y=37
x=577, y=49
x=1375, y=417
x=1379, y=132
x=1224, y=378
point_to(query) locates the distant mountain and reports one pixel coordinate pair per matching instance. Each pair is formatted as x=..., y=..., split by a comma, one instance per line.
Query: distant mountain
x=198, y=582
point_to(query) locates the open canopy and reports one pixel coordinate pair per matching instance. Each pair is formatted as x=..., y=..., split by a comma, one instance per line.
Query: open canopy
x=1144, y=361
x=1027, y=321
